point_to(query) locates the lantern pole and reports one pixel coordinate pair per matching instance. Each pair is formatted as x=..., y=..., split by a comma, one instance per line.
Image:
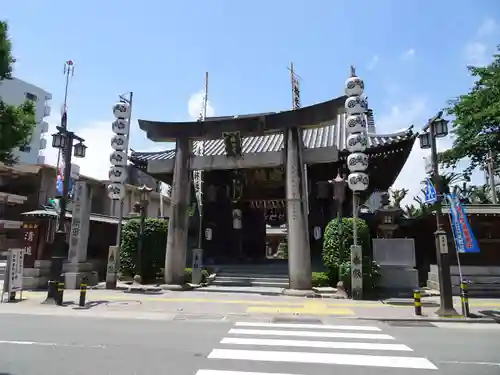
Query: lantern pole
x=357, y=162
x=198, y=175
x=118, y=176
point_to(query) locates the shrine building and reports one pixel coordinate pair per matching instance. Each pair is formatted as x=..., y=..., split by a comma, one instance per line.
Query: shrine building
x=264, y=171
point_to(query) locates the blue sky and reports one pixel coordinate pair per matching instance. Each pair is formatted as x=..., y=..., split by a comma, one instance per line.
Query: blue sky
x=411, y=54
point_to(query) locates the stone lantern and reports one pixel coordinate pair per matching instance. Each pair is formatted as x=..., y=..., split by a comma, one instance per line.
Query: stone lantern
x=387, y=218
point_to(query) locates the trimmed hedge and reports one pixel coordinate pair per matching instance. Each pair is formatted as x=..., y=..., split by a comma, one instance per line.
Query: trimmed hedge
x=154, y=248
x=320, y=279
x=338, y=259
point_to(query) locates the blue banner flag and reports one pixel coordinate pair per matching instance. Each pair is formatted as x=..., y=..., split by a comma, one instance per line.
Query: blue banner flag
x=430, y=191
x=465, y=241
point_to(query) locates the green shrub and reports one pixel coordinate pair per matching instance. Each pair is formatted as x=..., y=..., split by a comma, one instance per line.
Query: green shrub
x=337, y=258
x=371, y=275
x=332, y=256
x=153, y=249
x=188, y=275
x=320, y=279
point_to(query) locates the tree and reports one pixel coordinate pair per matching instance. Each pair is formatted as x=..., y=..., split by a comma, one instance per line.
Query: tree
x=476, y=126
x=16, y=122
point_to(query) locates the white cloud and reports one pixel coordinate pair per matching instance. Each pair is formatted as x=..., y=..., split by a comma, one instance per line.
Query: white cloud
x=372, y=64
x=401, y=117
x=487, y=28
x=408, y=55
x=476, y=53
x=195, y=105
x=478, y=50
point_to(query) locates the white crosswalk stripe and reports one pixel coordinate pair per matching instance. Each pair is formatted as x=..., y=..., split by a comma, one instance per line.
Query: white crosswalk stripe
x=310, y=344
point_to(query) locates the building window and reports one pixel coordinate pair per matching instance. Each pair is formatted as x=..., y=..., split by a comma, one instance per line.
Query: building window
x=25, y=148
x=31, y=97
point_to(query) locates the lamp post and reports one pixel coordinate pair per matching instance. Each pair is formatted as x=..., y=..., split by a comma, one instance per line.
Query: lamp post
x=437, y=127
x=144, y=195
x=63, y=140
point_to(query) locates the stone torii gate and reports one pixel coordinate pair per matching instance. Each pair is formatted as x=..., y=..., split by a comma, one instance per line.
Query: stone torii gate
x=291, y=124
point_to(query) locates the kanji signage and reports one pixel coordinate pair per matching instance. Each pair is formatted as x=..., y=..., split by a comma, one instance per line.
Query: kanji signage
x=29, y=243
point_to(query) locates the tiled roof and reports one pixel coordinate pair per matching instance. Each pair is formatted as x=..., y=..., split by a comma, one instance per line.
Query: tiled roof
x=326, y=136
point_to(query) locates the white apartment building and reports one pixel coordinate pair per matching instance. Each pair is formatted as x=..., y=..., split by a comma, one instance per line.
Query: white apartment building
x=15, y=92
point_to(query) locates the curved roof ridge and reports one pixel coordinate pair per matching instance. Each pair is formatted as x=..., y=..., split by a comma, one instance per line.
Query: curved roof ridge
x=313, y=138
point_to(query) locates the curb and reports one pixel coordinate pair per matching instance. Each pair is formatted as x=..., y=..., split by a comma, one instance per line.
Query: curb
x=433, y=320
x=326, y=296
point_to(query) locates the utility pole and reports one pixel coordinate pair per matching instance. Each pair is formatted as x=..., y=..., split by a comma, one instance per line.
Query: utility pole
x=69, y=71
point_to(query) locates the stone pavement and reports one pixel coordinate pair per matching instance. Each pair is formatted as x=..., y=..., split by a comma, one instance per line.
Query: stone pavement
x=218, y=306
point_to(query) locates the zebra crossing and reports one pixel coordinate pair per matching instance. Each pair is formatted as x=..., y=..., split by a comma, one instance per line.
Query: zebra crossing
x=284, y=344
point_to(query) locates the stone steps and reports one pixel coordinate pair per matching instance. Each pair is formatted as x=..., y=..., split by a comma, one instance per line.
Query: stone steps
x=272, y=275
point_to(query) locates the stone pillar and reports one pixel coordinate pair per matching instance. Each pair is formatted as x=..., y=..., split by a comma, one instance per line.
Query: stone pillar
x=177, y=239
x=77, y=266
x=299, y=257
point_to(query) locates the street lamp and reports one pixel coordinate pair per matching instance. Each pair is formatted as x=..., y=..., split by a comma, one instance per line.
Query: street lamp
x=144, y=201
x=64, y=141
x=437, y=127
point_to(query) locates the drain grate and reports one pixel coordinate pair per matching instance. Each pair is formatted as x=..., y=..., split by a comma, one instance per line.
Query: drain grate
x=199, y=317
x=297, y=320
x=409, y=323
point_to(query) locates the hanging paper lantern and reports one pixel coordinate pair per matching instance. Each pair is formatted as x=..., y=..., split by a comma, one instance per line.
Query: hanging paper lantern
x=121, y=110
x=357, y=142
x=356, y=124
x=357, y=162
x=355, y=105
x=119, y=142
x=354, y=86
x=358, y=181
x=120, y=126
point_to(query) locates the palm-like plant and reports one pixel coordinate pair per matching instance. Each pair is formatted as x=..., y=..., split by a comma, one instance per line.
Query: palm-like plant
x=397, y=196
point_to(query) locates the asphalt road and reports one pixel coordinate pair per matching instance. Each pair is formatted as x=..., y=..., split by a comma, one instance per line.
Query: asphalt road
x=37, y=344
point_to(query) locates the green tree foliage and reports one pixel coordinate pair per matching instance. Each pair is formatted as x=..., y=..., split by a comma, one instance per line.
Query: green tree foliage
x=16, y=122
x=154, y=246
x=337, y=253
x=476, y=126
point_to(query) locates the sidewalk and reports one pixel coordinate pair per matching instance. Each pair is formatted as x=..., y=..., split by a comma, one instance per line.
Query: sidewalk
x=174, y=305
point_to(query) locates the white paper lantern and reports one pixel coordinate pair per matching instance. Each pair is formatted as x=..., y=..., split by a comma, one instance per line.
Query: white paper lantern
x=116, y=191
x=357, y=162
x=119, y=142
x=120, y=126
x=208, y=234
x=354, y=86
x=118, y=174
x=355, y=124
x=237, y=219
x=118, y=158
x=357, y=142
x=358, y=181
x=355, y=105
x=121, y=110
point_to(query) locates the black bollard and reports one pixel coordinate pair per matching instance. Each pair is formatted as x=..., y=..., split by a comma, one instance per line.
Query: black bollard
x=83, y=292
x=60, y=293
x=464, y=294
x=417, y=302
